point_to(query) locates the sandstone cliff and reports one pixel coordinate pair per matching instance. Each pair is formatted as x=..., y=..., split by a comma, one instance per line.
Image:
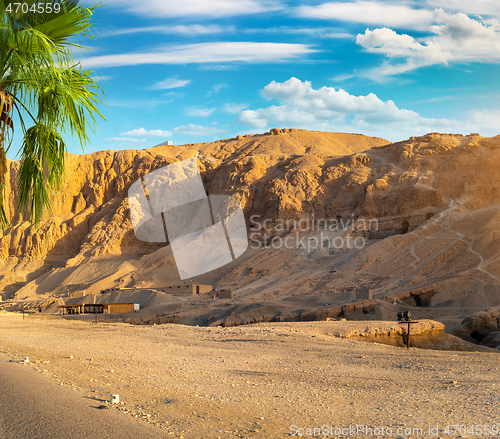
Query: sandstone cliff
x=90, y=212
x=434, y=199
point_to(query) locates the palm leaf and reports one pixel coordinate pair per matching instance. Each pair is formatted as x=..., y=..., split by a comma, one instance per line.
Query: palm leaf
x=38, y=75
x=42, y=168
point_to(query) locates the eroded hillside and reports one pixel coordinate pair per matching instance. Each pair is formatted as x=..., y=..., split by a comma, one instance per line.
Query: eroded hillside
x=433, y=200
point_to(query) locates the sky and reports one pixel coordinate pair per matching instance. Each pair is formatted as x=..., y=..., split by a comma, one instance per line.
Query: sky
x=193, y=71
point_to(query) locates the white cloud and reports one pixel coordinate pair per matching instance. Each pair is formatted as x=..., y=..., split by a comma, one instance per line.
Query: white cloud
x=185, y=30
x=218, y=52
x=198, y=130
x=199, y=112
x=408, y=14
x=170, y=83
x=216, y=88
x=374, y=13
x=337, y=35
x=141, y=132
x=459, y=40
x=486, y=119
x=235, y=108
x=218, y=67
x=290, y=90
x=125, y=139
x=479, y=7
x=320, y=32
x=190, y=8
x=448, y=38
x=100, y=78
x=138, y=103
x=282, y=115
x=301, y=106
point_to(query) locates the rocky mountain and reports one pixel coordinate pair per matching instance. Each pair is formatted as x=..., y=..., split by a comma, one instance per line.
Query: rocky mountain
x=90, y=212
x=424, y=212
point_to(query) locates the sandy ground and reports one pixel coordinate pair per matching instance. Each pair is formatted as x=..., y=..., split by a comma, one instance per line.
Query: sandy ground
x=262, y=381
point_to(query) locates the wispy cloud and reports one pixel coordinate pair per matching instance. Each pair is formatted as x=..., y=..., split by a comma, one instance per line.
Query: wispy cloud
x=459, y=39
x=216, y=88
x=103, y=78
x=218, y=52
x=235, y=108
x=478, y=7
x=199, y=112
x=221, y=67
x=197, y=8
x=320, y=32
x=374, y=13
x=141, y=132
x=126, y=139
x=198, y=130
x=170, y=83
x=138, y=103
x=185, y=30
x=437, y=99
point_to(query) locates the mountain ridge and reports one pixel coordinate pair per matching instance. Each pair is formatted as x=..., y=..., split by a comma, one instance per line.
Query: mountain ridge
x=434, y=198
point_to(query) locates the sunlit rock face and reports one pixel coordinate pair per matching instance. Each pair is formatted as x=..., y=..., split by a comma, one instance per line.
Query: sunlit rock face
x=434, y=201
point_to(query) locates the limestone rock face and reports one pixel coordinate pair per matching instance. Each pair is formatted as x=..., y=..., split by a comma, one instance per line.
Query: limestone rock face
x=90, y=213
x=284, y=174
x=434, y=199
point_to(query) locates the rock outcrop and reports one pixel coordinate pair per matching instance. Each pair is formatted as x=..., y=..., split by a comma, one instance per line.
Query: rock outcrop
x=433, y=202
x=482, y=327
x=90, y=211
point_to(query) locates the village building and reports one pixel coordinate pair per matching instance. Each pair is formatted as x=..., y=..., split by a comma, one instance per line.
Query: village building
x=186, y=289
x=99, y=308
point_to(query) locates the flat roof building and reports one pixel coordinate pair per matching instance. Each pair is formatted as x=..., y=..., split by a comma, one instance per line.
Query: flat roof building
x=99, y=308
x=187, y=289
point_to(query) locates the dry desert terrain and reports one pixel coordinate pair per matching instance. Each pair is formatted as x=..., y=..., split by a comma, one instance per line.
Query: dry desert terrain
x=261, y=381
x=276, y=359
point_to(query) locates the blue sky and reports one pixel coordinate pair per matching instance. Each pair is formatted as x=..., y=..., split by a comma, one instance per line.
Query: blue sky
x=198, y=70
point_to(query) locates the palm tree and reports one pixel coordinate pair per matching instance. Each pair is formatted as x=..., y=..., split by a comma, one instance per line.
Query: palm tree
x=45, y=91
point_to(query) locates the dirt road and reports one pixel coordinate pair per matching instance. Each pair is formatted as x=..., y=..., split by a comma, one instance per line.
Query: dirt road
x=262, y=381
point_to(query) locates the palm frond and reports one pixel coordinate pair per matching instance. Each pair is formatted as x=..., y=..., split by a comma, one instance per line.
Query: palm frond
x=69, y=100
x=42, y=168
x=39, y=76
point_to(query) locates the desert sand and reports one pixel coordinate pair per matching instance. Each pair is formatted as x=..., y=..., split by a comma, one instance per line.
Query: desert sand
x=259, y=381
